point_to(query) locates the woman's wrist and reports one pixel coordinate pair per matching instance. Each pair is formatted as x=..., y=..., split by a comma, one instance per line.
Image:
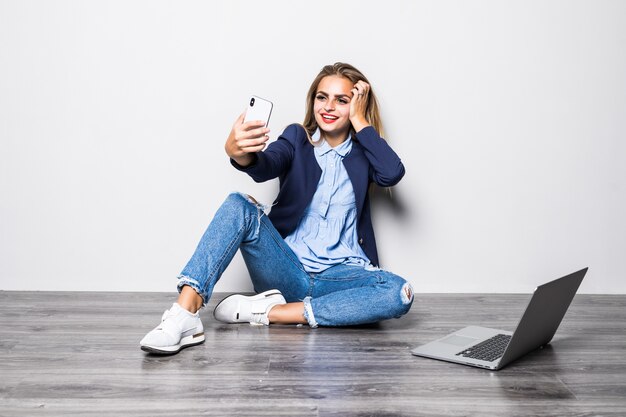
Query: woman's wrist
x=359, y=124
x=243, y=160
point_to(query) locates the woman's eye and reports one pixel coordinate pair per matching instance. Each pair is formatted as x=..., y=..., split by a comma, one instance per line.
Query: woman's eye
x=343, y=101
x=320, y=98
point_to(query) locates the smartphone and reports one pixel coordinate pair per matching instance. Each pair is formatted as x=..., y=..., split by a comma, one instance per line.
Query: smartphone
x=258, y=109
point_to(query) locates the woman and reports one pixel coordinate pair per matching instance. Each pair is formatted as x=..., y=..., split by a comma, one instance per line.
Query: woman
x=313, y=259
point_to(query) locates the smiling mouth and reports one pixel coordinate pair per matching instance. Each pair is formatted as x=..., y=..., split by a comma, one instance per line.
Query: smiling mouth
x=329, y=118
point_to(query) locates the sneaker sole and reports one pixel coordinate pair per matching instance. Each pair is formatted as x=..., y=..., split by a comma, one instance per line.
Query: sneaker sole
x=249, y=297
x=185, y=342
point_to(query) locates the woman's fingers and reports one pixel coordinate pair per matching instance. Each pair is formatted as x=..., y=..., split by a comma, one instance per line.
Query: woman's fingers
x=239, y=120
x=361, y=89
x=359, y=98
x=246, y=137
x=358, y=105
x=252, y=125
x=244, y=147
x=252, y=149
x=252, y=132
x=252, y=143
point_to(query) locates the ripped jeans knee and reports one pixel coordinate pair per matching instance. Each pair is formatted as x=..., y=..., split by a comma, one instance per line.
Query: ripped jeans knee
x=406, y=293
x=261, y=208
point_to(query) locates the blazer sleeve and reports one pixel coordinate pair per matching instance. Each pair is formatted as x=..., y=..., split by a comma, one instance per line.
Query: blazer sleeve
x=274, y=160
x=386, y=168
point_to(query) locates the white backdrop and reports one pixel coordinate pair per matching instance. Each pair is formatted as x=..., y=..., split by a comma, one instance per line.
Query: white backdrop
x=509, y=117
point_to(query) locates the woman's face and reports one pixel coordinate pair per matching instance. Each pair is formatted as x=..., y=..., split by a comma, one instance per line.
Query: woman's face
x=332, y=106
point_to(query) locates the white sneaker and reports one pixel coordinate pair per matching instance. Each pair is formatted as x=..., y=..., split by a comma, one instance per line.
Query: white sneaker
x=238, y=308
x=178, y=329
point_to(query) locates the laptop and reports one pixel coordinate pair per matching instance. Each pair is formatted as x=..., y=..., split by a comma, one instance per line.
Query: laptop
x=494, y=349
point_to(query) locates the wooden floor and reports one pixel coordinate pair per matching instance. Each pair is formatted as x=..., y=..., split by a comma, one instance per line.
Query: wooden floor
x=70, y=354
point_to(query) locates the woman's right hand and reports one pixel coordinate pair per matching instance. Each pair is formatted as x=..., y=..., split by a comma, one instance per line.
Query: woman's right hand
x=245, y=139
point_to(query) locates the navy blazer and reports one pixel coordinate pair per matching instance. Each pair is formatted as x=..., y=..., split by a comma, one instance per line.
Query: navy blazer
x=291, y=159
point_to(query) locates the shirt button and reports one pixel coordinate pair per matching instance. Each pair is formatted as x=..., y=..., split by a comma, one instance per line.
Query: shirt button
x=360, y=241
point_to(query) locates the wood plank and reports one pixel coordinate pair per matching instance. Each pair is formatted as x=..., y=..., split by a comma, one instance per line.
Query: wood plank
x=77, y=354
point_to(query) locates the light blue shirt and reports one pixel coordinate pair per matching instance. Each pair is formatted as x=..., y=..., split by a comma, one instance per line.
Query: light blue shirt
x=327, y=233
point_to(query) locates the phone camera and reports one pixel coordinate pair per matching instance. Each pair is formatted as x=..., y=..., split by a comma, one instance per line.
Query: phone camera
x=252, y=102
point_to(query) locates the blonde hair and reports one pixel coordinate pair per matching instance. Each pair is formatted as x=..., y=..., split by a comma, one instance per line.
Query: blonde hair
x=372, y=113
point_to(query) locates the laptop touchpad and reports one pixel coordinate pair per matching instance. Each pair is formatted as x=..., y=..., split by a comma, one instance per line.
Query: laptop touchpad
x=458, y=340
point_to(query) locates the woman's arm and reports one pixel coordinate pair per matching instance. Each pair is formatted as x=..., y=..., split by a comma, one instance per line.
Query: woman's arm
x=387, y=169
x=246, y=139
x=244, y=148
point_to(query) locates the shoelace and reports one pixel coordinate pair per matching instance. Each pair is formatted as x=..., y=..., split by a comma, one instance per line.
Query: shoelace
x=259, y=318
x=165, y=316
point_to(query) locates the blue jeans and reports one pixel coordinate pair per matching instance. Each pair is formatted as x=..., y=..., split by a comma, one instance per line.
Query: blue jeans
x=342, y=295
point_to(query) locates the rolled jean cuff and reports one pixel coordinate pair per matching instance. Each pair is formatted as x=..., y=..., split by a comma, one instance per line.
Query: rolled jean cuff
x=185, y=280
x=308, y=312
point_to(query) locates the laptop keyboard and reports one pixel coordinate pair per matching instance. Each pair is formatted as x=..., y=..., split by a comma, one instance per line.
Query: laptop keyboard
x=489, y=350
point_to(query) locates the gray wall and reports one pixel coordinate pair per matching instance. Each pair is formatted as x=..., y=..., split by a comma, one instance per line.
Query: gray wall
x=509, y=117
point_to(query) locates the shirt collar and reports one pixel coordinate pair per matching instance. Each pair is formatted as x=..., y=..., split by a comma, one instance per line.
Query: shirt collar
x=343, y=149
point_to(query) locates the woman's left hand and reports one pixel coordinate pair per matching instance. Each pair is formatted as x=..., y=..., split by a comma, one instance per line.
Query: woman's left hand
x=358, y=105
